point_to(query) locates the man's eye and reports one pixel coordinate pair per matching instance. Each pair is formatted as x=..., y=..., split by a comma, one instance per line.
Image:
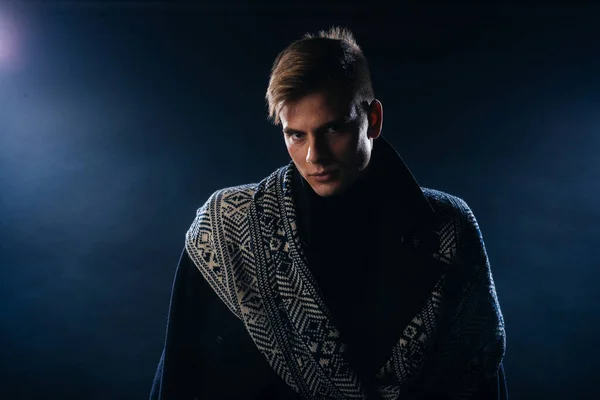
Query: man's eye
x=333, y=129
x=294, y=135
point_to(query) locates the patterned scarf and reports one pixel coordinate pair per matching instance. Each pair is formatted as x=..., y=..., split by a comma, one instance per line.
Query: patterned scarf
x=246, y=244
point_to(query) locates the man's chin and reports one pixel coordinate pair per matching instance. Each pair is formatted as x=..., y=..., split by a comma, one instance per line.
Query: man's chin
x=327, y=189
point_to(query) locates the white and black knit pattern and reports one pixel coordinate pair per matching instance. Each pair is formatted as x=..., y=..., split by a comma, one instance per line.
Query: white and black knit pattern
x=245, y=242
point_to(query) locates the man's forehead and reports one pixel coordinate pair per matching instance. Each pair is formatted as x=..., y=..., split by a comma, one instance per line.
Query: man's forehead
x=328, y=106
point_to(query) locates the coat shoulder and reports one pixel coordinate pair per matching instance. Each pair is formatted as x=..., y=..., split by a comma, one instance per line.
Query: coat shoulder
x=446, y=203
x=227, y=203
x=233, y=195
x=455, y=216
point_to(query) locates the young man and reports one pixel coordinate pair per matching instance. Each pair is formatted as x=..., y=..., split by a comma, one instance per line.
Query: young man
x=337, y=276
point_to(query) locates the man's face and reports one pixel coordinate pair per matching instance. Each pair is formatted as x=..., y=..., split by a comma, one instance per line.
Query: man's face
x=327, y=134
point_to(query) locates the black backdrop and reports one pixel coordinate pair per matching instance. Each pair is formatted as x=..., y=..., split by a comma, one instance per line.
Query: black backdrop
x=118, y=119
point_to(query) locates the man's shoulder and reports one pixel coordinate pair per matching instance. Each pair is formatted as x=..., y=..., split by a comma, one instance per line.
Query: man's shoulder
x=446, y=203
x=230, y=194
x=225, y=206
x=456, y=215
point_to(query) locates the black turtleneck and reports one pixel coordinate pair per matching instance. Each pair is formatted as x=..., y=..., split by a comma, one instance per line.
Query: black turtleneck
x=342, y=234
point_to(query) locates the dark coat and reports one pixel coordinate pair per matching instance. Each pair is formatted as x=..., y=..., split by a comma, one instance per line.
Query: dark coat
x=208, y=353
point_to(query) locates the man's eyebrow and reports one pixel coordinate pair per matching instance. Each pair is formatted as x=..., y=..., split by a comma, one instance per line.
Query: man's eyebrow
x=291, y=131
x=342, y=120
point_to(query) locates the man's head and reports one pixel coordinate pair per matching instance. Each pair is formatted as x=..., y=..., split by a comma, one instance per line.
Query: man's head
x=320, y=93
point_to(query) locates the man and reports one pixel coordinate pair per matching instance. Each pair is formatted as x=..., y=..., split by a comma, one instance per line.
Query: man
x=337, y=276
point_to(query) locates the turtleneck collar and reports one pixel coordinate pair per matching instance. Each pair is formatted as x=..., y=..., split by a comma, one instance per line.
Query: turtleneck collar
x=387, y=181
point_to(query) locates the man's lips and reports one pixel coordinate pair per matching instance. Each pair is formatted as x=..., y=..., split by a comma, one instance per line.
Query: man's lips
x=324, y=176
x=324, y=173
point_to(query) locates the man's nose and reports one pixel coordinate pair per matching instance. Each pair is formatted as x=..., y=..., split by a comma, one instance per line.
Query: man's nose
x=317, y=150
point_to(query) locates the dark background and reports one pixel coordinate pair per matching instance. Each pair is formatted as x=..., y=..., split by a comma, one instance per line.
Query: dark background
x=117, y=120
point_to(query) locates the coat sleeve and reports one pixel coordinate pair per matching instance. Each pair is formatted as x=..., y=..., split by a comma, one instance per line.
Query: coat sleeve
x=173, y=374
x=208, y=353
x=495, y=388
x=468, y=360
x=479, y=324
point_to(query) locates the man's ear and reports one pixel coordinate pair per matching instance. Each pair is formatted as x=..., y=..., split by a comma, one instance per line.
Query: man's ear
x=375, y=119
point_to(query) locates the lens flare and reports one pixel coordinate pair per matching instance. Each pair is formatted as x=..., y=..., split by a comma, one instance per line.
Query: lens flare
x=9, y=36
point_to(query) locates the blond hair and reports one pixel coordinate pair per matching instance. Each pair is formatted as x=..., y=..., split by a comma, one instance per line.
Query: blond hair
x=328, y=60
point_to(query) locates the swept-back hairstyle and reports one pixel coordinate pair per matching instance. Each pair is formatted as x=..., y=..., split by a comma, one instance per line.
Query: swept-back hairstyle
x=329, y=60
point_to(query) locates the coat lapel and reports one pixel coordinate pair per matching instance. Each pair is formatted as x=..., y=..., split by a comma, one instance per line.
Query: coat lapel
x=408, y=272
